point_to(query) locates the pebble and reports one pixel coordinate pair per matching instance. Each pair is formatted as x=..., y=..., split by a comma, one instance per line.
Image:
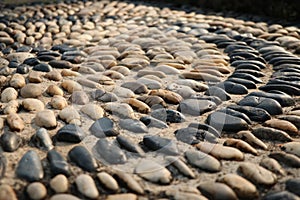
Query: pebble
x=267, y=133
x=17, y=81
x=160, y=144
x=217, y=191
x=19, y=56
x=11, y=107
x=281, y=195
x=83, y=158
x=235, y=113
x=70, y=115
x=130, y=182
x=123, y=92
x=168, y=96
x=10, y=141
x=293, y=185
x=22, y=69
x=109, y=152
x=181, y=166
x=257, y=174
x=121, y=110
x=138, y=105
x=60, y=64
x=272, y=165
x=203, y=161
x=30, y=167
x=286, y=159
x=130, y=145
x=282, y=125
x=103, y=127
x=15, y=122
x=284, y=99
x=9, y=94
x=241, y=145
x=31, y=90
x=101, y=95
x=64, y=197
x=252, y=139
x=54, y=75
x=57, y=163
x=196, y=107
x=137, y=88
x=270, y=105
x=152, y=122
x=42, y=67
x=46, y=118
x=36, y=191
x=59, y=183
x=199, y=76
x=221, y=152
x=93, y=111
x=232, y=87
x=291, y=147
x=86, y=186
x=224, y=122
x=35, y=77
x=53, y=90
x=42, y=140
x=153, y=172
x=294, y=119
x=70, y=133
x=218, y=92
x=79, y=97
x=241, y=186
x=150, y=83
x=255, y=114
x=133, y=125
x=7, y=192
x=70, y=86
x=153, y=101
x=108, y=181
x=168, y=115
x=127, y=196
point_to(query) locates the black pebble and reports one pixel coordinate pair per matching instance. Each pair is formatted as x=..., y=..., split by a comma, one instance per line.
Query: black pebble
x=10, y=141
x=109, y=152
x=31, y=61
x=70, y=133
x=22, y=69
x=42, y=67
x=130, y=146
x=83, y=158
x=161, y=145
x=103, y=127
x=58, y=165
x=30, y=167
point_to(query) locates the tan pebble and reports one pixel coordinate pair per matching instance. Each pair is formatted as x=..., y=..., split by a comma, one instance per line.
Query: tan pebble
x=31, y=90
x=35, y=77
x=45, y=118
x=241, y=145
x=282, y=125
x=167, y=69
x=130, y=182
x=127, y=196
x=241, y=186
x=175, y=65
x=101, y=79
x=159, y=74
x=272, y=165
x=9, y=94
x=215, y=190
x=70, y=86
x=122, y=92
x=221, y=152
x=84, y=70
x=36, y=191
x=70, y=115
x=181, y=166
x=31, y=104
x=64, y=197
x=153, y=172
x=89, y=83
x=213, y=72
x=251, y=139
x=178, y=195
x=120, y=109
x=53, y=90
x=203, y=161
x=138, y=105
x=153, y=101
x=20, y=56
x=11, y=107
x=68, y=72
x=93, y=111
x=108, y=181
x=15, y=122
x=113, y=74
x=199, y=76
x=58, y=102
x=7, y=193
x=257, y=174
x=17, y=81
x=121, y=69
x=86, y=186
x=59, y=183
x=168, y=96
x=291, y=147
x=54, y=75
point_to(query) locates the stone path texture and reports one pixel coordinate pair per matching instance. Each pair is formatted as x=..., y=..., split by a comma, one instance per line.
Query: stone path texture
x=131, y=100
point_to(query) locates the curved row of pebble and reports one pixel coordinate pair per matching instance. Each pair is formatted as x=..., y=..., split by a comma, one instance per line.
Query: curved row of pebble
x=116, y=100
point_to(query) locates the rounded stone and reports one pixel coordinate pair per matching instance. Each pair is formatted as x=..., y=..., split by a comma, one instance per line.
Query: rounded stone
x=45, y=118
x=7, y=193
x=58, y=102
x=31, y=91
x=86, y=186
x=31, y=104
x=54, y=90
x=9, y=94
x=36, y=191
x=59, y=183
